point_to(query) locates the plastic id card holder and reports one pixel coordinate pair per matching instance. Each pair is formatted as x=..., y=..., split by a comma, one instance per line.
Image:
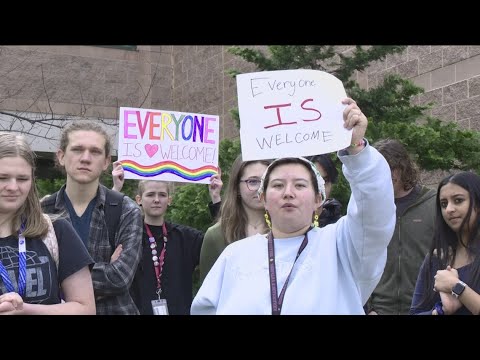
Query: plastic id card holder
x=159, y=307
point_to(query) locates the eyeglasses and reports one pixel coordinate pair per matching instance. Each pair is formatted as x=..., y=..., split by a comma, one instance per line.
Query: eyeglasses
x=252, y=184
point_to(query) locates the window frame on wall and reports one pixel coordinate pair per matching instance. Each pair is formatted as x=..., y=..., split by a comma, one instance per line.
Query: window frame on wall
x=120, y=47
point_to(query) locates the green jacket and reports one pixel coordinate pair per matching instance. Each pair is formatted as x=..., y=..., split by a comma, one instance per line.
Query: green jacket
x=212, y=247
x=406, y=252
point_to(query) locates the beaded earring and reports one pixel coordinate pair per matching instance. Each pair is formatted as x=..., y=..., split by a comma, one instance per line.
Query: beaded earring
x=315, y=220
x=267, y=220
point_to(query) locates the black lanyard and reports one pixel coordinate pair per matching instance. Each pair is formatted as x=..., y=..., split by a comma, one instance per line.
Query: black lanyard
x=277, y=301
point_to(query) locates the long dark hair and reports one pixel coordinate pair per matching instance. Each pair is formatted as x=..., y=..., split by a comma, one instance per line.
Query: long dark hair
x=445, y=243
x=327, y=164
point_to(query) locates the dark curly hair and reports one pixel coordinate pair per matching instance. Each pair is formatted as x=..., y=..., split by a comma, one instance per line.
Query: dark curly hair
x=398, y=157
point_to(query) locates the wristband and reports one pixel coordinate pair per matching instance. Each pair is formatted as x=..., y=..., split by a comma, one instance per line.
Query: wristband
x=439, y=308
x=360, y=143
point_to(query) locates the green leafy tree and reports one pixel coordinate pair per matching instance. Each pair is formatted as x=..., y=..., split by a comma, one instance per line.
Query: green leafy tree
x=389, y=107
x=48, y=186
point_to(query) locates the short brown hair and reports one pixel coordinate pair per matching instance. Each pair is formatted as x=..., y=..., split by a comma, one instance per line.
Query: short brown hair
x=84, y=126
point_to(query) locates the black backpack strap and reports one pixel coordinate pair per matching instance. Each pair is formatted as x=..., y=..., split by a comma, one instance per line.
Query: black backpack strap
x=113, y=211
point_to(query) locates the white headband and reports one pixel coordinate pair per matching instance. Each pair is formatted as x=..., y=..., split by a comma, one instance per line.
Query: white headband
x=320, y=181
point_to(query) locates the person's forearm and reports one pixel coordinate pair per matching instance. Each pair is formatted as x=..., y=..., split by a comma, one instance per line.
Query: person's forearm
x=364, y=235
x=471, y=300
x=67, y=308
x=116, y=277
x=117, y=187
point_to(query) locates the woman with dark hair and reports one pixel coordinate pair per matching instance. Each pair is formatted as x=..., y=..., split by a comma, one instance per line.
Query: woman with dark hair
x=331, y=208
x=241, y=213
x=298, y=268
x=449, y=279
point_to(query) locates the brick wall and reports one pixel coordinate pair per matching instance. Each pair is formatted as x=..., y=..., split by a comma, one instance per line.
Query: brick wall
x=84, y=80
x=93, y=81
x=450, y=76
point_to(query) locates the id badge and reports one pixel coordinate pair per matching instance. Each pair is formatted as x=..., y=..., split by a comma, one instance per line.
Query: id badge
x=159, y=307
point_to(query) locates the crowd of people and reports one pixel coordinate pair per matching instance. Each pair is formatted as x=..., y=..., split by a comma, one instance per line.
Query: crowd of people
x=278, y=244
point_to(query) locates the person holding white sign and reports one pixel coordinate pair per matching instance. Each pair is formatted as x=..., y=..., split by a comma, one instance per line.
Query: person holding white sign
x=300, y=269
x=215, y=237
x=170, y=252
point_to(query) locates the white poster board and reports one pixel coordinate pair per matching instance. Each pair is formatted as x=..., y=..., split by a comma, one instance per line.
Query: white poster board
x=291, y=113
x=168, y=145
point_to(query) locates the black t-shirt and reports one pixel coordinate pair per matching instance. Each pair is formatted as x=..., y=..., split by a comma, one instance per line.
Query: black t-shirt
x=404, y=202
x=181, y=257
x=42, y=277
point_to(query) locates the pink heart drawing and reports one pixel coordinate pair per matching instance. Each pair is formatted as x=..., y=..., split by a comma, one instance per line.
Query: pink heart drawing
x=151, y=149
